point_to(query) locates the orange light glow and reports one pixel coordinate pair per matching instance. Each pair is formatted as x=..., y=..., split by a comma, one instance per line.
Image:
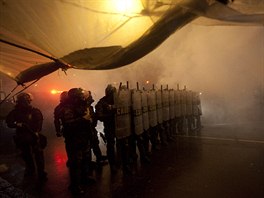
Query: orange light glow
x=147, y=82
x=54, y=91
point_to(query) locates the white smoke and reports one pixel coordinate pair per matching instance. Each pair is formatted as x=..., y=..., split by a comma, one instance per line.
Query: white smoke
x=224, y=63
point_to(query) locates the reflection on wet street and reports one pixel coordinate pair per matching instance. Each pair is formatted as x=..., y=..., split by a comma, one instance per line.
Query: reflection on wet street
x=225, y=161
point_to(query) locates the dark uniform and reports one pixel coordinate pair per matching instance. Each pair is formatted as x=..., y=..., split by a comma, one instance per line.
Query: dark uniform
x=77, y=134
x=105, y=112
x=28, y=123
x=58, y=117
x=57, y=113
x=100, y=159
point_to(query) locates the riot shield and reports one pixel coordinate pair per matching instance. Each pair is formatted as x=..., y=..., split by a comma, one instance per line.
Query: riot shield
x=183, y=96
x=137, y=112
x=171, y=104
x=152, y=108
x=145, y=114
x=177, y=96
x=159, y=106
x=189, y=100
x=195, y=104
x=122, y=101
x=165, y=105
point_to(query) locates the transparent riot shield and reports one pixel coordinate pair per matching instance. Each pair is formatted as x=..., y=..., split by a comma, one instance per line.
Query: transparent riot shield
x=177, y=96
x=165, y=105
x=183, y=96
x=171, y=104
x=137, y=112
x=152, y=108
x=145, y=113
x=122, y=100
x=195, y=104
x=159, y=107
x=189, y=111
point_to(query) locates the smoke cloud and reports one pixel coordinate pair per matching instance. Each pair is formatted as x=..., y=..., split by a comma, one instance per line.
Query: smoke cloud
x=224, y=63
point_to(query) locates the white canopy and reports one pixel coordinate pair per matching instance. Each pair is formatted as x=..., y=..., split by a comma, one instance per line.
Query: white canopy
x=40, y=36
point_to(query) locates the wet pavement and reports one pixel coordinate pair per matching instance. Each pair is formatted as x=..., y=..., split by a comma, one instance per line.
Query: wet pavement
x=225, y=161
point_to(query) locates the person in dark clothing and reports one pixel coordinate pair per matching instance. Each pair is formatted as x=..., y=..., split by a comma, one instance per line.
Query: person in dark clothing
x=78, y=136
x=100, y=159
x=58, y=117
x=57, y=113
x=105, y=112
x=28, y=123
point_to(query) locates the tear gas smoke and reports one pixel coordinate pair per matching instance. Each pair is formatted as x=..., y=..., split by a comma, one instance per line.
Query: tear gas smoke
x=224, y=63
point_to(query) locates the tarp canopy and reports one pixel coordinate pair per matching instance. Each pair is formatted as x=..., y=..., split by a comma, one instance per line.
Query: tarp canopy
x=37, y=37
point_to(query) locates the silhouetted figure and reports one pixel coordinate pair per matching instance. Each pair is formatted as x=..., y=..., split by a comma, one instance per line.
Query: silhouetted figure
x=78, y=136
x=28, y=123
x=58, y=118
x=100, y=159
x=105, y=112
x=57, y=113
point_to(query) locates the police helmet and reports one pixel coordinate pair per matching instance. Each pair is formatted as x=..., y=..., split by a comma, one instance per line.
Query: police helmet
x=110, y=89
x=86, y=94
x=24, y=98
x=123, y=87
x=76, y=94
x=64, y=96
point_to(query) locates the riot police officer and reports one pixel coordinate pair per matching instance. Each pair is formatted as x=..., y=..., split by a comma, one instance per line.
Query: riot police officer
x=77, y=133
x=58, y=117
x=57, y=113
x=105, y=112
x=100, y=159
x=28, y=123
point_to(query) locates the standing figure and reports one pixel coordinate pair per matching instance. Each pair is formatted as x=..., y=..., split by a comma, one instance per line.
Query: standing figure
x=77, y=133
x=57, y=113
x=28, y=123
x=105, y=112
x=100, y=159
x=58, y=117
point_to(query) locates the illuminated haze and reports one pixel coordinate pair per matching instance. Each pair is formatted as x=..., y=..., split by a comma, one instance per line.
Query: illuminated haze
x=224, y=63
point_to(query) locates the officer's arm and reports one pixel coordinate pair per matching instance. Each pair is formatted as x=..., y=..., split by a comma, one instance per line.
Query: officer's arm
x=104, y=110
x=38, y=121
x=57, y=122
x=11, y=120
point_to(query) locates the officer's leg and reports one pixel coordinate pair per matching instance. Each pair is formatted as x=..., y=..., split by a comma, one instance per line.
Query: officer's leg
x=141, y=149
x=110, y=150
x=86, y=169
x=154, y=138
x=162, y=133
x=75, y=164
x=27, y=156
x=189, y=125
x=40, y=162
x=123, y=149
x=199, y=125
x=180, y=125
x=146, y=140
x=132, y=148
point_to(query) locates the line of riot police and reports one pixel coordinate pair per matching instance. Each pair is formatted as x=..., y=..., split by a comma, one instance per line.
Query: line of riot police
x=143, y=119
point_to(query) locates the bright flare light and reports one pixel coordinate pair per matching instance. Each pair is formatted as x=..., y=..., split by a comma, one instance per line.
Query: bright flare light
x=127, y=6
x=54, y=91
